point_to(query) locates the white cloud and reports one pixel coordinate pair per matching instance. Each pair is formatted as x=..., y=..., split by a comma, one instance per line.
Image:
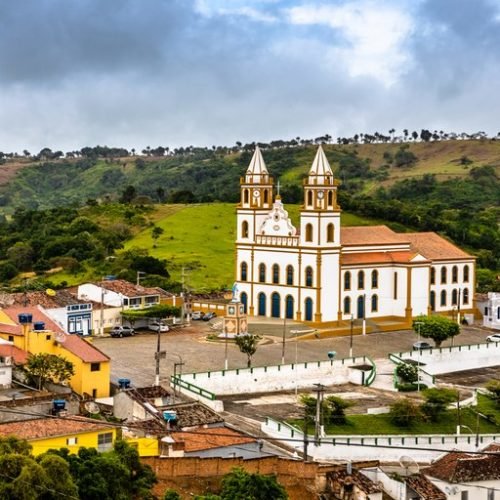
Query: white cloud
x=240, y=8
x=374, y=36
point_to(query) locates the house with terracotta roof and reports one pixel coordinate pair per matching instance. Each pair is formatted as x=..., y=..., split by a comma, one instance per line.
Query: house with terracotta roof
x=468, y=476
x=325, y=274
x=42, y=335
x=72, y=433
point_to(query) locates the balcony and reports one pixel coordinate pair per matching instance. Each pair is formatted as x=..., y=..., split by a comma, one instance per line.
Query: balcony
x=281, y=241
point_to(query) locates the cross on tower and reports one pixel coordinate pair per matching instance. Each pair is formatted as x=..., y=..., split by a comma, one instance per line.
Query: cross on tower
x=278, y=188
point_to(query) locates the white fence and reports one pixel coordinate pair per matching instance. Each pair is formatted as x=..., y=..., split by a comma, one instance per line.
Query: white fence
x=422, y=448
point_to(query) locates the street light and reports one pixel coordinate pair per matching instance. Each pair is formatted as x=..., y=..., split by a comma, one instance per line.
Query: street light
x=283, y=344
x=350, y=344
x=180, y=364
x=418, y=323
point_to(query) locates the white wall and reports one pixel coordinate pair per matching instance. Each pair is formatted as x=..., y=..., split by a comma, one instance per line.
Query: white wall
x=420, y=290
x=492, y=319
x=89, y=291
x=448, y=287
x=383, y=448
x=478, y=490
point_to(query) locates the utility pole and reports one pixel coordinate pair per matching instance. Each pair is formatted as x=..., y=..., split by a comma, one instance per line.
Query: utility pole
x=139, y=275
x=350, y=344
x=306, y=435
x=458, y=413
x=320, y=390
x=158, y=355
x=180, y=365
x=283, y=344
x=458, y=306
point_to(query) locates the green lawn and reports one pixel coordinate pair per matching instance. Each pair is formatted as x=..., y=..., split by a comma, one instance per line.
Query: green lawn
x=201, y=238
x=381, y=424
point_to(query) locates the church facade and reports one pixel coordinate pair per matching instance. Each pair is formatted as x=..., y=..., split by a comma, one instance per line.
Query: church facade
x=323, y=273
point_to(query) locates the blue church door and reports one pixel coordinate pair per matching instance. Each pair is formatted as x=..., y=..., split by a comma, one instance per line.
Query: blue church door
x=275, y=305
x=289, y=307
x=309, y=309
x=262, y=304
x=244, y=300
x=361, y=307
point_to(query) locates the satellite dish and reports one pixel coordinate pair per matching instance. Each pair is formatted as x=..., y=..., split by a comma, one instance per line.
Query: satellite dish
x=91, y=407
x=50, y=292
x=409, y=464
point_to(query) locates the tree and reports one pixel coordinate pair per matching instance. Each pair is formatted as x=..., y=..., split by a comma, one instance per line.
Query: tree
x=171, y=494
x=407, y=372
x=494, y=387
x=156, y=232
x=437, y=328
x=404, y=413
x=128, y=194
x=436, y=401
x=248, y=345
x=336, y=407
x=44, y=367
x=240, y=485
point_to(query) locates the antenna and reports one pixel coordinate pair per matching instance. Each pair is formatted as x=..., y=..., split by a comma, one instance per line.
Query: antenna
x=407, y=462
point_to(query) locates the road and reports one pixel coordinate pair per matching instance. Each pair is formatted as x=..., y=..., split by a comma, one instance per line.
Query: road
x=133, y=357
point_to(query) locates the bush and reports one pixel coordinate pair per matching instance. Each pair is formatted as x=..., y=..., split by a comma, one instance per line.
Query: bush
x=436, y=401
x=407, y=372
x=404, y=413
x=494, y=387
x=405, y=387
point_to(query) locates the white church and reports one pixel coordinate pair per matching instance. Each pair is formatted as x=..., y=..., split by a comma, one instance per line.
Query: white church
x=326, y=274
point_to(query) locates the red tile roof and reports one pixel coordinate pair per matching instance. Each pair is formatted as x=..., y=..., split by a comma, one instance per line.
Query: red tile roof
x=62, y=298
x=457, y=467
x=19, y=355
x=434, y=247
x=127, y=289
x=424, y=488
x=49, y=427
x=37, y=313
x=370, y=235
x=207, y=439
x=83, y=349
x=11, y=329
x=350, y=259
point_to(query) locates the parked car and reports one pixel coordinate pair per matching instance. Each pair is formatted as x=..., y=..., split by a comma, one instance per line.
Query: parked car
x=420, y=346
x=208, y=316
x=197, y=315
x=122, y=331
x=493, y=338
x=161, y=326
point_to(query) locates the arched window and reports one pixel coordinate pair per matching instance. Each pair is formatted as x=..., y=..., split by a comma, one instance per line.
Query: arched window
x=454, y=274
x=466, y=274
x=433, y=301
x=443, y=297
x=266, y=196
x=361, y=306
x=454, y=297
x=289, y=307
x=276, y=274
x=262, y=304
x=309, y=232
x=244, y=229
x=466, y=296
x=347, y=305
x=309, y=276
x=289, y=275
x=347, y=280
x=330, y=198
x=244, y=300
x=275, y=305
x=245, y=196
x=444, y=274
x=262, y=273
x=374, y=303
x=375, y=279
x=309, y=309
x=361, y=280
x=330, y=230
x=309, y=198
x=433, y=275
x=244, y=271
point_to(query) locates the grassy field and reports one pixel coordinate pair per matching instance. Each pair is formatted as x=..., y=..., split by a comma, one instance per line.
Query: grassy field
x=200, y=238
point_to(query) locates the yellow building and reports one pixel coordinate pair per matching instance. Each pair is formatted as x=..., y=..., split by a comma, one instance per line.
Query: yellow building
x=74, y=433
x=42, y=335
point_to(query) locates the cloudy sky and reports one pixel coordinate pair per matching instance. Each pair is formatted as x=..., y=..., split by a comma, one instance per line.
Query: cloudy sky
x=134, y=73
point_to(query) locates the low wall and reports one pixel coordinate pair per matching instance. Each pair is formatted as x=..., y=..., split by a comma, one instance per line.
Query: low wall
x=454, y=359
x=281, y=377
x=383, y=448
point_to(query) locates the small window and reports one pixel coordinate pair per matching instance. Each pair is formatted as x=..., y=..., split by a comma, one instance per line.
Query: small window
x=347, y=280
x=454, y=297
x=443, y=298
x=309, y=198
x=262, y=273
x=330, y=198
x=361, y=280
x=276, y=274
x=433, y=301
x=11, y=338
x=374, y=303
x=375, y=279
x=95, y=367
x=491, y=494
x=454, y=274
x=71, y=441
x=47, y=337
x=94, y=393
x=466, y=274
x=444, y=275
x=330, y=230
x=466, y=297
x=266, y=196
x=309, y=232
x=464, y=495
x=105, y=441
x=289, y=275
x=347, y=305
x=244, y=229
x=433, y=276
x=244, y=271
x=309, y=276
x=245, y=196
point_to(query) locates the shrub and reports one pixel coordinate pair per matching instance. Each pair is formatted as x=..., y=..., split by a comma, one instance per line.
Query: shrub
x=407, y=372
x=436, y=401
x=404, y=413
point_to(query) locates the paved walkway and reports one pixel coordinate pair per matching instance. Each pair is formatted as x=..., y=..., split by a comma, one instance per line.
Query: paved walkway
x=385, y=374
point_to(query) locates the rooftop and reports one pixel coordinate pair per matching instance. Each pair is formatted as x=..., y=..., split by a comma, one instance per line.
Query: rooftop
x=38, y=315
x=49, y=427
x=435, y=247
x=83, y=349
x=424, y=488
x=363, y=482
x=128, y=289
x=62, y=298
x=349, y=259
x=194, y=414
x=458, y=467
x=371, y=235
x=207, y=439
x=19, y=355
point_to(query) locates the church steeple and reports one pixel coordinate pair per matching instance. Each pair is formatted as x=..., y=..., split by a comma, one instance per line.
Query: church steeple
x=257, y=185
x=257, y=172
x=320, y=172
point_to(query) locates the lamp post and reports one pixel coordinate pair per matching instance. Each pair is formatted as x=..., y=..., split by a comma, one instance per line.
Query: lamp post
x=283, y=344
x=180, y=364
x=351, y=339
x=364, y=314
x=418, y=323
